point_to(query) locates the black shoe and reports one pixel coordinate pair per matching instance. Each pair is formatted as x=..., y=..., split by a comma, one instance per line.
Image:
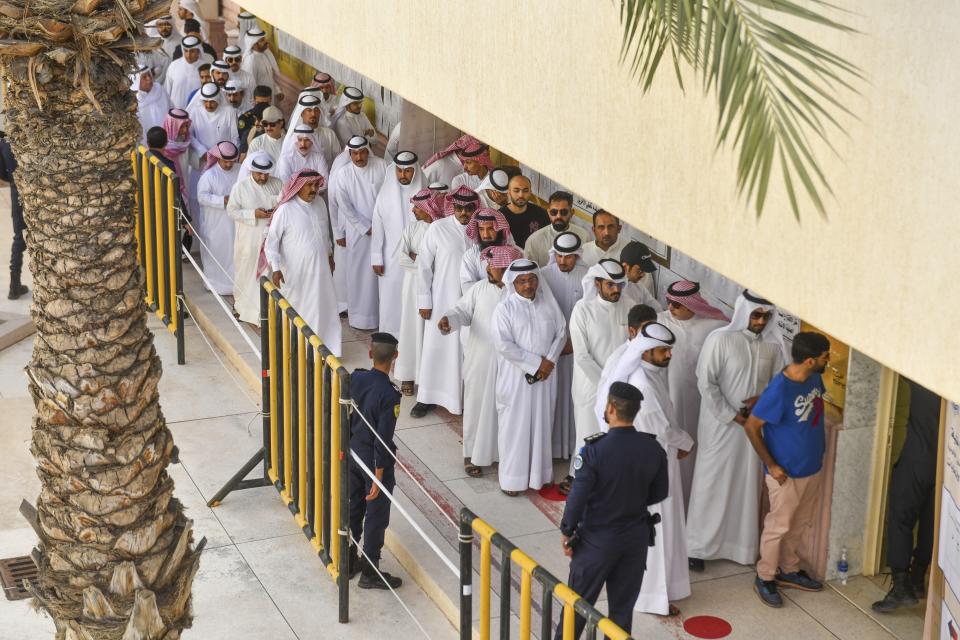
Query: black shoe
x=900, y=595
x=17, y=290
x=355, y=564
x=918, y=581
x=696, y=564
x=369, y=579
x=421, y=409
x=797, y=580
x=767, y=590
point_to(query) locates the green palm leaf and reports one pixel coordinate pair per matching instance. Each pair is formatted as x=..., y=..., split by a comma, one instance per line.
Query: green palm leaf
x=774, y=87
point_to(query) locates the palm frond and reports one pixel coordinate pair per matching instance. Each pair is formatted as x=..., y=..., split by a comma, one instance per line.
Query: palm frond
x=775, y=88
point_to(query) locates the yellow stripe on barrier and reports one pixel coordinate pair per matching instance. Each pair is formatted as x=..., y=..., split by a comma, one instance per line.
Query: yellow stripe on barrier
x=568, y=597
x=148, y=230
x=274, y=426
x=301, y=516
x=485, y=571
x=483, y=529
x=172, y=252
x=139, y=198
x=159, y=215
x=527, y=565
x=609, y=628
x=287, y=407
x=317, y=426
x=335, y=463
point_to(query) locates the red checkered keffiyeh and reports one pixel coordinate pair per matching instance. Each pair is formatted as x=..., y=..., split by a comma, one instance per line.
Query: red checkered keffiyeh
x=221, y=151
x=687, y=293
x=465, y=141
x=461, y=196
x=487, y=215
x=479, y=152
x=290, y=191
x=320, y=79
x=430, y=202
x=500, y=256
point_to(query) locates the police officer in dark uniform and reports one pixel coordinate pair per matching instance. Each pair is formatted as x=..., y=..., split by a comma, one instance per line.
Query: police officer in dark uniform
x=8, y=166
x=252, y=120
x=379, y=401
x=606, y=526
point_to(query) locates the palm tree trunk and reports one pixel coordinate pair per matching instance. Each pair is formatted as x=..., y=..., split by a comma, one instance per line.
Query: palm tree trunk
x=116, y=554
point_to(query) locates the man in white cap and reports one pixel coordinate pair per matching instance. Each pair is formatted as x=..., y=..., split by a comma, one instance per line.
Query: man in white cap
x=190, y=10
x=391, y=215
x=259, y=61
x=560, y=212
x=438, y=287
x=476, y=165
x=564, y=275
x=213, y=194
x=529, y=334
x=486, y=228
x=300, y=255
x=309, y=112
x=598, y=325
x=242, y=80
x=354, y=186
x=271, y=140
x=303, y=153
x=475, y=309
x=183, y=74
x=609, y=241
x=691, y=319
x=251, y=205
x=152, y=100
x=735, y=365
x=643, y=364
x=493, y=189
x=349, y=120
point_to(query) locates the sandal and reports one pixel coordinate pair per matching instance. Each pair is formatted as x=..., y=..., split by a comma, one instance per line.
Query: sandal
x=673, y=612
x=564, y=486
x=473, y=470
x=512, y=494
x=406, y=388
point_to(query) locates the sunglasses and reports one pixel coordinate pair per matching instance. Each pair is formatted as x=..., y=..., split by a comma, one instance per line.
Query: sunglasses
x=465, y=207
x=271, y=124
x=758, y=315
x=558, y=212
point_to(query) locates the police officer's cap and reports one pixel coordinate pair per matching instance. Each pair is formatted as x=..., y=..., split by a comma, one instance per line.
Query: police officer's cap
x=625, y=391
x=384, y=338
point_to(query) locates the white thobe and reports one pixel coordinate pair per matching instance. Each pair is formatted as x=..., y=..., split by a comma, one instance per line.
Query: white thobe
x=567, y=289
x=291, y=163
x=411, y=324
x=329, y=144
x=540, y=242
x=639, y=293
x=298, y=244
x=262, y=66
x=353, y=124
x=472, y=267
x=592, y=254
x=667, y=576
x=157, y=60
x=724, y=513
x=597, y=328
x=392, y=212
x=475, y=309
x=682, y=376
x=182, y=79
x=217, y=231
x=464, y=179
x=438, y=287
x=206, y=130
x=152, y=108
x=265, y=143
x=248, y=196
x=355, y=189
x=525, y=332
x=169, y=45
x=443, y=170
x=340, y=280
x=243, y=81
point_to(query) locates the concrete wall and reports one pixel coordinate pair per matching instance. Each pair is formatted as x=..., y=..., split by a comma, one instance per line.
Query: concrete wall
x=541, y=81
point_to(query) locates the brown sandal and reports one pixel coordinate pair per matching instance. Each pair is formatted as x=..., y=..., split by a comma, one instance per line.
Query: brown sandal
x=406, y=388
x=473, y=470
x=564, y=486
x=512, y=494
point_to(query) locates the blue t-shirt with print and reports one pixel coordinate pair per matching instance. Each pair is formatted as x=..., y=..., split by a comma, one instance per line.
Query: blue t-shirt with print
x=793, y=433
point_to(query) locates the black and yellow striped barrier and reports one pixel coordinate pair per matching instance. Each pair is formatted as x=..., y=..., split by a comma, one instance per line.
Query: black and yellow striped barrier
x=530, y=572
x=158, y=240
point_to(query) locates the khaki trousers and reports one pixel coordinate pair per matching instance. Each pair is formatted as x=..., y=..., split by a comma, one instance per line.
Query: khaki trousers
x=792, y=508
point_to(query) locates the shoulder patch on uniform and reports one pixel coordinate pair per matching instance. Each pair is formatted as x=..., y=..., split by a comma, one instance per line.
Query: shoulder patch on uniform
x=396, y=410
x=595, y=437
x=577, y=462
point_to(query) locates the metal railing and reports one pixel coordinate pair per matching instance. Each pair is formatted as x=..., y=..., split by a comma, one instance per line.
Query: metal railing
x=530, y=572
x=306, y=434
x=158, y=240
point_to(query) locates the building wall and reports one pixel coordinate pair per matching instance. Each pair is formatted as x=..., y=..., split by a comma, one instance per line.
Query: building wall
x=541, y=81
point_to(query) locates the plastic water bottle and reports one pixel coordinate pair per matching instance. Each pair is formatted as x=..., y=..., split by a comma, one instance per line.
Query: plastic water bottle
x=842, y=566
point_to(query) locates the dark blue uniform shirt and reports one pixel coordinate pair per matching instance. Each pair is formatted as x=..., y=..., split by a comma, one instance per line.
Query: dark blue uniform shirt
x=379, y=400
x=618, y=475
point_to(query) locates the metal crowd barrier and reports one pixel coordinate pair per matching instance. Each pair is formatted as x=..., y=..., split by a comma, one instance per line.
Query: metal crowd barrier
x=306, y=434
x=550, y=588
x=158, y=240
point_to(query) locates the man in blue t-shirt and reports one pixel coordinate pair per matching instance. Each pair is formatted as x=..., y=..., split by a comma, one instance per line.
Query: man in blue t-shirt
x=786, y=429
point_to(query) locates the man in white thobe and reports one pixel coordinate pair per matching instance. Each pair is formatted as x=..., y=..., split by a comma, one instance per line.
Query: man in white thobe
x=152, y=100
x=643, y=364
x=328, y=94
x=391, y=215
x=560, y=212
x=271, y=140
x=440, y=377
x=183, y=74
x=529, y=335
x=598, y=326
x=259, y=61
x=475, y=309
x=216, y=235
x=445, y=165
x=487, y=228
x=735, y=365
x=476, y=165
x=169, y=35
x=251, y=206
x=300, y=255
x=349, y=120
x=609, y=241
x=564, y=275
x=427, y=207
x=355, y=186
x=637, y=261
x=303, y=153
x=691, y=319
x=190, y=10
x=309, y=112
x=493, y=189
x=156, y=59
x=241, y=79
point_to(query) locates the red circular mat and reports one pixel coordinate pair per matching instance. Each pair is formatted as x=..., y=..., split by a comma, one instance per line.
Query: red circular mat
x=707, y=627
x=551, y=492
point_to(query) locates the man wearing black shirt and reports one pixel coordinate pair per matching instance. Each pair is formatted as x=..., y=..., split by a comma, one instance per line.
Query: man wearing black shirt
x=8, y=166
x=524, y=216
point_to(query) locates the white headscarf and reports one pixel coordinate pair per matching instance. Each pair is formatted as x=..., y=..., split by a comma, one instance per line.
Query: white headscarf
x=521, y=267
x=348, y=97
x=496, y=180
x=261, y=158
x=250, y=38
x=606, y=269
x=294, y=120
x=198, y=97
x=746, y=304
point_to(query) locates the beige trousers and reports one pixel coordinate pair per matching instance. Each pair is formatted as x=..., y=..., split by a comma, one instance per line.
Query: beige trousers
x=792, y=507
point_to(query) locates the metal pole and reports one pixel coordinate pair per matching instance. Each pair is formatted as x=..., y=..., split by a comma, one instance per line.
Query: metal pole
x=264, y=372
x=178, y=273
x=344, y=533
x=466, y=574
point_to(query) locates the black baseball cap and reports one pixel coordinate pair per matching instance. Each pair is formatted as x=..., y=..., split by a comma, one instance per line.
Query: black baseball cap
x=638, y=253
